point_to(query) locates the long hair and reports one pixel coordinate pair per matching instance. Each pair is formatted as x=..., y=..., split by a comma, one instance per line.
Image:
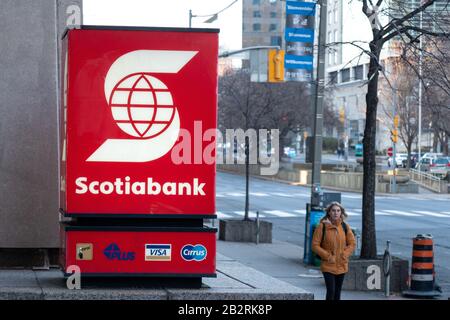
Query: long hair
x=331, y=205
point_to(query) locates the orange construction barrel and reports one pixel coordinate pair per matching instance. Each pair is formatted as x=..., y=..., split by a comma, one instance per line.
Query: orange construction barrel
x=422, y=268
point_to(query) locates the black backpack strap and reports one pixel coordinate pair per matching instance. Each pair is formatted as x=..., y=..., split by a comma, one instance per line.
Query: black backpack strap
x=344, y=226
x=323, y=233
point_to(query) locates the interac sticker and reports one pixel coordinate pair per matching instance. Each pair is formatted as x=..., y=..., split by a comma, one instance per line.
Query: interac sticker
x=158, y=252
x=85, y=251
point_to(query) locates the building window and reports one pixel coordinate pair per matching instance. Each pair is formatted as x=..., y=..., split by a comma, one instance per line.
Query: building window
x=275, y=41
x=257, y=27
x=329, y=17
x=256, y=14
x=345, y=75
x=335, y=15
x=332, y=78
x=335, y=39
x=256, y=2
x=359, y=72
x=272, y=27
x=273, y=14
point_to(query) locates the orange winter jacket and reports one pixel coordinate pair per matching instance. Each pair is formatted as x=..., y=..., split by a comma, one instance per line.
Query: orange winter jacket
x=336, y=247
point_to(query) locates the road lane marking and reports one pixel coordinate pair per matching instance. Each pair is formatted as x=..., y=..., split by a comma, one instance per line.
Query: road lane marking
x=379, y=213
x=282, y=194
x=235, y=194
x=433, y=214
x=280, y=213
x=402, y=213
x=351, y=213
x=218, y=195
x=351, y=197
x=387, y=198
x=221, y=215
x=302, y=195
x=302, y=212
x=259, y=194
x=251, y=214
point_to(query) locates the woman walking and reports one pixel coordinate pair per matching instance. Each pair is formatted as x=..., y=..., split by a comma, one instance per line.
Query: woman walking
x=333, y=241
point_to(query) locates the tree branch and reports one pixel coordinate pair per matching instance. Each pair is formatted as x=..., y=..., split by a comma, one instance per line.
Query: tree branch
x=397, y=22
x=405, y=29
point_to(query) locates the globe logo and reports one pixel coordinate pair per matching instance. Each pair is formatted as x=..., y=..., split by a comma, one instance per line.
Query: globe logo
x=142, y=106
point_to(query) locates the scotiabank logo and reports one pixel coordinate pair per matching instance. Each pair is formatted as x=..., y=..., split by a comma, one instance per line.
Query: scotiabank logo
x=148, y=187
x=142, y=106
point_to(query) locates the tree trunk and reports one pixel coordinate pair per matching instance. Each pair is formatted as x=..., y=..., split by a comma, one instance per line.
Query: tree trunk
x=408, y=160
x=445, y=147
x=369, y=244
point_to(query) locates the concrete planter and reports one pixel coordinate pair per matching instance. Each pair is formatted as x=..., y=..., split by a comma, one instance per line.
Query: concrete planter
x=244, y=231
x=368, y=275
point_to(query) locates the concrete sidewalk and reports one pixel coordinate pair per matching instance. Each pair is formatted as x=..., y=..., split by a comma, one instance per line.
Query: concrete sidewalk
x=282, y=261
x=234, y=281
x=245, y=271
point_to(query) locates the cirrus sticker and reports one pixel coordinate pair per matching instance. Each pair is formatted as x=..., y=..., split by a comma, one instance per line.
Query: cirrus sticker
x=191, y=252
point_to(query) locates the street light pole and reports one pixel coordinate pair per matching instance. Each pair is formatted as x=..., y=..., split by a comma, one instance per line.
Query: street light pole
x=419, y=138
x=317, y=100
x=394, y=144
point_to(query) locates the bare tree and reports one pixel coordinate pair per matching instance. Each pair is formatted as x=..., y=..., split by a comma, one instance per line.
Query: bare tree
x=402, y=26
x=249, y=105
x=403, y=84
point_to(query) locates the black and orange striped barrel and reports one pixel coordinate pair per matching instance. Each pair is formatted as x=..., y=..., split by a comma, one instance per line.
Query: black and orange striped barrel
x=422, y=269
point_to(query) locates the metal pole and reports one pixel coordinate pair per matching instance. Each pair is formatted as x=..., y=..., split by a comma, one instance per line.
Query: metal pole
x=346, y=130
x=190, y=18
x=387, y=268
x=419, y=138
x=257, y=227
x=318, y=107
x=394, y=145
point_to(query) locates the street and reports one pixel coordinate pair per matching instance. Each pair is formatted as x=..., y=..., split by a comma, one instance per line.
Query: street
x=398, y=217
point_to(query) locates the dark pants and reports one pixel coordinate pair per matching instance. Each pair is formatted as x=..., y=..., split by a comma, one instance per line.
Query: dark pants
x=334, y=285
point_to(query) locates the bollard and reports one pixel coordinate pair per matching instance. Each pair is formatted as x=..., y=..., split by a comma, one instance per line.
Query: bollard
x=422, y=268
x=257, y=227
x=387, y=264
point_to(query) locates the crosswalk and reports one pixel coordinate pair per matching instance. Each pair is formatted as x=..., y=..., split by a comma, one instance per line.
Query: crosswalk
x=350, y=212
x=278, y=194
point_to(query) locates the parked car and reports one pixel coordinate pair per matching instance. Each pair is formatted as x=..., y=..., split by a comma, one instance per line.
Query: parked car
x=432, y=155
x=440, y=166
x=399, y=157
x=424, y=164
x=414, y=158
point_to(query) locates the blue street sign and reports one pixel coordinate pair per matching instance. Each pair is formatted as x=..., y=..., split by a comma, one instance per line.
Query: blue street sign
x=302, y=8
x=298, y=62
x=299, y=35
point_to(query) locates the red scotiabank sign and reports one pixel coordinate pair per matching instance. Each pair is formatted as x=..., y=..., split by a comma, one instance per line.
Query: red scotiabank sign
x=136, y=109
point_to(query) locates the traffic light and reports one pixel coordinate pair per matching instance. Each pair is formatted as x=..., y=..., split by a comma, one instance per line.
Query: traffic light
x=394, y=135
x=342, y=115
x=275, y=65
x=396, y=119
